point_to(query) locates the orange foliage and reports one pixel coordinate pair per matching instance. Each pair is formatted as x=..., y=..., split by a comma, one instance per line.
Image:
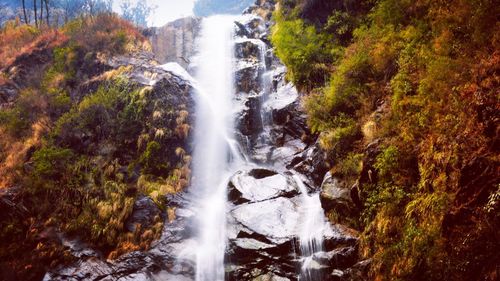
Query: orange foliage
x=20, y=39
x=106, y=33
x=15, y=151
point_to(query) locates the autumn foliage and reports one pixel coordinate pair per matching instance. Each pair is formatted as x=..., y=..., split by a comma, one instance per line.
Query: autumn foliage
x=418, y=83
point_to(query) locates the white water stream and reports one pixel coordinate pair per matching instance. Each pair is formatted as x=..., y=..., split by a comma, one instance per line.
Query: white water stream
x=217, y=155
x=215, y=149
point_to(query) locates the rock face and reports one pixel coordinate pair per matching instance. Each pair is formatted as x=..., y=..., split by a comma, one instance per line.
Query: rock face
x=269, y=116
x=267, y=205
x=166, y=89
x=174, y=42
x=336, y=196
x=144, y=212
x=242, y=187
x=264, y=224
x=164, y=261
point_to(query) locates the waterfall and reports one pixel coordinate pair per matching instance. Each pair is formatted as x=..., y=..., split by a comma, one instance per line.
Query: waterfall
x=215, y=149
x=311, y=232
x=217, y=155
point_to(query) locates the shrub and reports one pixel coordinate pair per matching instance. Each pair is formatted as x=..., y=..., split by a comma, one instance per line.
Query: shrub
x=303, y=50
x=15, y=39
x=340, y=139
x=351, y=165
x=51, y=163
x=387, y=161
x=152, y=160
x=106, y=33
x=422, y=71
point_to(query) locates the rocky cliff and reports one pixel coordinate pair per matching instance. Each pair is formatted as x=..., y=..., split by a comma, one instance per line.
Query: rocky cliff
x=174, y=42
x=266, y=208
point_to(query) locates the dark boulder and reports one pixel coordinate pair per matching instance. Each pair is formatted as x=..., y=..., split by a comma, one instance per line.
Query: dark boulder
x=249, y=119
x=247, y=76
x=248, y=49
x=144, y=214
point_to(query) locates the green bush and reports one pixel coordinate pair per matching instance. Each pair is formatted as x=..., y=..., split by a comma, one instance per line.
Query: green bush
x=15, y=121
x=387, y=161
x=51, y=163
x=423, y=72
x=152, y=160
x=339, y=140
x=303, y=50
x=351, y=165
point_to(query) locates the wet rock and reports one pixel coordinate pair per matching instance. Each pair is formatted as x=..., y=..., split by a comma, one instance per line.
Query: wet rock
x=241, y=30
x=249, y=119
x=281, y=103
x=340, y=258
x=260, y=173
x=311, y=163
x=247, y=77
x=263, y=8
x=336, y=196
x=270, y=277
x=144, y=213
x=358, y=272
x=275, y=219
x=281, y=156
x=169, y=256
x=259, y=185
x=253, y=25
x=313, y=269
x=248, y=49
x=340, y=236
x=91, y=269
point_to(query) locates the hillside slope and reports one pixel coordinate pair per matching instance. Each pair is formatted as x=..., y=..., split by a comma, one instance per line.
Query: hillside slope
x=92, y=136
x=404, y=97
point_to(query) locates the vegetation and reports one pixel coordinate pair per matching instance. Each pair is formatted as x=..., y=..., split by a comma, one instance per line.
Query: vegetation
x=92, y=150
x=55, y=13
x=417, y=80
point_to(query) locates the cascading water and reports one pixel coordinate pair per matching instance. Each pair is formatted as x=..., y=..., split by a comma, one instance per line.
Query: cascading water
x=217, y=155
x=276, y=229
x=311, y=232
x=215, y=149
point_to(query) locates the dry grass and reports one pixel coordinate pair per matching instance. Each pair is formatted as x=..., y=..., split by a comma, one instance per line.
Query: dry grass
x=18, y=39
x=106, y=33
x=15, y=151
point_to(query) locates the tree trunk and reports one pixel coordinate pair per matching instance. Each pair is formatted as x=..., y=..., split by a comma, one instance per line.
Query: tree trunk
x=36, y=16
x=41, y=13
x=47, y=10
x=24, y=13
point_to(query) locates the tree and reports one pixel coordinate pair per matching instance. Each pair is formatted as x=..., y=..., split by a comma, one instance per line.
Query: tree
x=41, y=12
x=24, y=13
x=126, y=7
x=4, y=13
x=48, y=13
x=138, y=13
x=35, y=10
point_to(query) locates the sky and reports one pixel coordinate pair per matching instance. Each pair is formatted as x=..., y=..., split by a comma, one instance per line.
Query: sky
x=167, y=11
